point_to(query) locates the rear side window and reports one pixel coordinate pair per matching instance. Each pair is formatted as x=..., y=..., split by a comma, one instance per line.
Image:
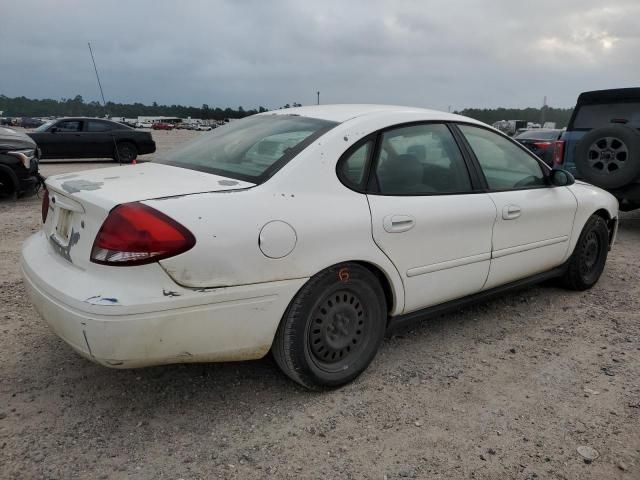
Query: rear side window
x=98, y=126
x=421, y=160
x=505, y=165
x=600, y=115
x=251, y=149
x=351, y=168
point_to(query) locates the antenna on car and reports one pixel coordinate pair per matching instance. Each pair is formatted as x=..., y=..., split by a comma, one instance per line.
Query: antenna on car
x=104, y=103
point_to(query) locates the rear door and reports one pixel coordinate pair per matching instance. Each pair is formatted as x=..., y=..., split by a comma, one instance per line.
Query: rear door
x=427, y=215
x=534, y=219
x=97, y=139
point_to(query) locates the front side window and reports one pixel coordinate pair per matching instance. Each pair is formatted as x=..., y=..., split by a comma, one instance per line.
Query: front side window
x=98, y=126
x=505, y=165
x=421, y=160
x=69, y=126
x=251, y=149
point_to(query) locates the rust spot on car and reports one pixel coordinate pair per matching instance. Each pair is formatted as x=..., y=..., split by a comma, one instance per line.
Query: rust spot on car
x=75, y=186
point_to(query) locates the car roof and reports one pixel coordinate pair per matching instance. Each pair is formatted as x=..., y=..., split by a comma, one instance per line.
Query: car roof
x=616, y=95
x=343, y=112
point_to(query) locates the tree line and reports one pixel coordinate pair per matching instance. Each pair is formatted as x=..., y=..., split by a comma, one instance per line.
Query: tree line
x=560, y=116
x=67, y=107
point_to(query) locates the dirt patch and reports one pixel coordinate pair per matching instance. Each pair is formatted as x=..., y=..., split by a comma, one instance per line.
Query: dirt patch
x=506, y=389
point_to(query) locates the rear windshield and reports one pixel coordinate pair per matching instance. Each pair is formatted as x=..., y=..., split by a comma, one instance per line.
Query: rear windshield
x=600, y=115
x=251, y=149
x=539, y=134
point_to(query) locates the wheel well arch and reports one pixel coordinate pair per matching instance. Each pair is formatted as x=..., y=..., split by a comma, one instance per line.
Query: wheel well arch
x=611, y=222
x=385, y=283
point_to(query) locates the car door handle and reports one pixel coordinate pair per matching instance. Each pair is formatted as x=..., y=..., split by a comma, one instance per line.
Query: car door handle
x=398, y=223
x=511, y=212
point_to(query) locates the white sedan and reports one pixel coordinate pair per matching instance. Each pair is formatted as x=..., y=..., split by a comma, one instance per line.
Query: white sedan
x=307, y=232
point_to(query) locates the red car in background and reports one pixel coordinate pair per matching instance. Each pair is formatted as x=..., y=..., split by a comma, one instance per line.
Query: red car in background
x=162, y=126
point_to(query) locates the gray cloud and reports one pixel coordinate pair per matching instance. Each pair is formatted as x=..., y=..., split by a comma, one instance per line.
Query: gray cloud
x=227, y=53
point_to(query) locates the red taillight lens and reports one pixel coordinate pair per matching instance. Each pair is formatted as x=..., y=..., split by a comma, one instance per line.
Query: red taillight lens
x=45, y=205
x=543, y=145
x=135, y=234
x=558, y=152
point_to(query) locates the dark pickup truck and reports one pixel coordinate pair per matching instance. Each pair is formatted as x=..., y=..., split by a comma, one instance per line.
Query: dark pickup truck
x=18, y=163
x=602, y=143
x=81, y=137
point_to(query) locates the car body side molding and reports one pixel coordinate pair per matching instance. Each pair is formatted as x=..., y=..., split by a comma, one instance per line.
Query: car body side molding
x=408, y=320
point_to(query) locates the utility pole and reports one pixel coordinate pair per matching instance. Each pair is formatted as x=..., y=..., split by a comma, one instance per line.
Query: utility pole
x=318, y=93
x=543, y=112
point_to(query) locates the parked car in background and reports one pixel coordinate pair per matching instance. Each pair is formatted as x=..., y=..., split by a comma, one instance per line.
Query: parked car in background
x=602, y=143
x=28, y=122
x=204, y=128
x=162, y=126
x=144, y=125
x=82, y=137
x=18, y=163
x=228, y=248
x=540, y=141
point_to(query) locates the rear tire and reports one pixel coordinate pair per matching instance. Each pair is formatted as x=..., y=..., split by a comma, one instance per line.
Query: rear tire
x=127, y=152
x=333, y=327
x=589, y=256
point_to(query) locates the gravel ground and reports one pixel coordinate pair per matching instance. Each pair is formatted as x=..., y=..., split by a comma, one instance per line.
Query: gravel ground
x=506, y=389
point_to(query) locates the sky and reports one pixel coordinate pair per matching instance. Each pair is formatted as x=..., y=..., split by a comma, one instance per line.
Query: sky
x=432, y=53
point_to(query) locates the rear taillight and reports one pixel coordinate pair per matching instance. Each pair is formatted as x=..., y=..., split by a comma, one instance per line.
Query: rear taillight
x=558, y=152
x=543, y=145
x=135, y=234
x=45, y=205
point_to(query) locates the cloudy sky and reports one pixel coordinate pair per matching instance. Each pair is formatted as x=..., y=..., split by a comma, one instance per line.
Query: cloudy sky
x=435, y=53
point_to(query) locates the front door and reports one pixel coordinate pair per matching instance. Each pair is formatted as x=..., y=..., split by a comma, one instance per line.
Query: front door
x=534, y=219
x=427, y=216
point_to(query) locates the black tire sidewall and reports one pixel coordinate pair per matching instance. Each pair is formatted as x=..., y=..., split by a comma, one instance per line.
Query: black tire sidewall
x=625, y=176
x=594, y=224
x=126, y=145
x=360, y=281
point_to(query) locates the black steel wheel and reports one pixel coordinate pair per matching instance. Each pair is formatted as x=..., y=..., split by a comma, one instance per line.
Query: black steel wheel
x=590, y=255
x=127, y=152
x=333, y=327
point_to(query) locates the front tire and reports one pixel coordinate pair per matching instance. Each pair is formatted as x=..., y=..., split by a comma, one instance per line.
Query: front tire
x=589, y=257
x=333, y=327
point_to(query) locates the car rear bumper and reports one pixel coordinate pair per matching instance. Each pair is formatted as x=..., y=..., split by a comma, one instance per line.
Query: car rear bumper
x=183, y=325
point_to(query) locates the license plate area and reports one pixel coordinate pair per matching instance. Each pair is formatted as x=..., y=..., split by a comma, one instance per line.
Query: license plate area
x=63, y=226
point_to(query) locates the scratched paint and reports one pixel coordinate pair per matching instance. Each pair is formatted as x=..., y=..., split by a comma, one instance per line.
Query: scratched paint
x=100, y=300
x=65, y=250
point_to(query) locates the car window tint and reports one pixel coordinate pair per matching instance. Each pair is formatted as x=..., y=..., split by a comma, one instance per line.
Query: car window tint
x=69, y=126
x=597, y=116
x=352, y=167
x=421, y=159
x=98, y=126
x=539, y=135
x=505, y=165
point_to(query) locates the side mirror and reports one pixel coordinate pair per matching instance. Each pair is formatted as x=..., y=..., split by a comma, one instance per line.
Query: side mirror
x=53, y=129
x=561, y=178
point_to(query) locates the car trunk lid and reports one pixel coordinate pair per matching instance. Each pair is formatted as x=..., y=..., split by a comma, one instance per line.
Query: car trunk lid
x=80, y=202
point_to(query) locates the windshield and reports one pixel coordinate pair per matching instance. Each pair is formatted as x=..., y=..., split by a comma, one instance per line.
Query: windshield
x=44, y=126
x=251, y=149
